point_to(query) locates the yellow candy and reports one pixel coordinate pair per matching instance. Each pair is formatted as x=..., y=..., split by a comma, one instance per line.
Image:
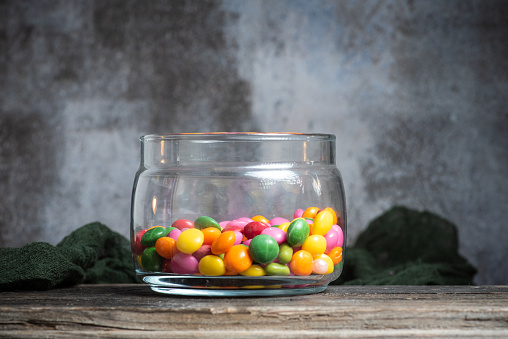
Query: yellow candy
x=211, y=265
x=189, y=241
x=323, y=222
x=328, y=261
x=334, y=215
x=284, y=226
x=254, y=271
x=315, y=244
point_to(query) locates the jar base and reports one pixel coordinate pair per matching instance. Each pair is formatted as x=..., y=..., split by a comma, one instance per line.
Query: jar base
x=241, y=292
x=193, y=286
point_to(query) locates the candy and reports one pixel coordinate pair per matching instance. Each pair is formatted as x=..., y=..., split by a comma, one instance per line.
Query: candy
x=183, y=223
x=319, y=266
x=322, y=222
x=263, y=249
x=237, y=259
x=204, y=222
x=260, y=218
x=277, y=269
x=334, y=215
x=331, y=239
x=238, y=237
x=328, y=261
x=297, y=232
x=336, y=255
x=166, y=266
x=250, y=247
x=315, y=244
x=233, y=227
x=183, y=263
x=212, y=265
x=150, y=260
x=285, y=254
x=310, y=212
x=284, y=226
x=254, y=228
x=137, y=248
x=276, y=233
x=151, y=236
x=166, y=247
x=340, y=241
x=224, y=242
x=174, y=233
x=278, y=221
x=298, y=213
x=254, y=271
x=301, y=263
x=210, y=234
x=202, y=252
x=190, y=240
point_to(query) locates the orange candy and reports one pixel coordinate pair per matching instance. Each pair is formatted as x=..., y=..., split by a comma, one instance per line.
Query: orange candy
x=301, y=263
x=223, y=243
x=210, y=234
x=237, y=259
x=310, y=212
x=336, y=255
x=260, y=218
x=166, y=247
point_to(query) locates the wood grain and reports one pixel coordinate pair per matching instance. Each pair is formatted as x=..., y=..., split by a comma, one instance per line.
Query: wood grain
x=134, y=311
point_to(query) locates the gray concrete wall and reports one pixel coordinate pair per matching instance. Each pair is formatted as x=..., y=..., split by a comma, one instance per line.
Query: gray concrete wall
x=416, y=92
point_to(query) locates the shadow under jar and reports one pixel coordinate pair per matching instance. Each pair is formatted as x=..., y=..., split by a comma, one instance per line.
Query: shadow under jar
x=238, y=214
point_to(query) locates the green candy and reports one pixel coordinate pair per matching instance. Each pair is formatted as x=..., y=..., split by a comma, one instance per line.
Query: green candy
x=276, y=269
x=204, y=222
x=151, y=236
x=151, y=260
x=263, y=248
x=285, y=254
x=297, y=232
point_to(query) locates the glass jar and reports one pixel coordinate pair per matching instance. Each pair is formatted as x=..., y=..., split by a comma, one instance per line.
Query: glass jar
x=232, y=214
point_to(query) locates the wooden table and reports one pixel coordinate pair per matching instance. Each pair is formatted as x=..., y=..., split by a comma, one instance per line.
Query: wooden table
x=134, y=311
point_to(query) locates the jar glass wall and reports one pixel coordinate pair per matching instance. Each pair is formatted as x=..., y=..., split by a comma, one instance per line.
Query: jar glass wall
x=246, y=184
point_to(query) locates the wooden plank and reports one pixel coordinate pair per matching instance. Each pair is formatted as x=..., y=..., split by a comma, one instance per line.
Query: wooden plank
x=134, y=311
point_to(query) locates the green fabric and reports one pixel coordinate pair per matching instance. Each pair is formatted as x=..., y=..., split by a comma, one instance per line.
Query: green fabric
x=92, y=254
x=400, y=247
x=406, y=247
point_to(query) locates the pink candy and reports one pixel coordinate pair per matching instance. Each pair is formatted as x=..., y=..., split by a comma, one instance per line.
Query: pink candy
x=276, y=233
x=278, y=221
x=238, y=237
x=298, y=213
x=340, y=240
x=239, y=223
x=331, y=239
x=174, y=234
x=183, y=263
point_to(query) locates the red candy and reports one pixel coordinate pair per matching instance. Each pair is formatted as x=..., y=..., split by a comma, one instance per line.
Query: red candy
x=183, y=223
x=137, y=248
x=254, y=228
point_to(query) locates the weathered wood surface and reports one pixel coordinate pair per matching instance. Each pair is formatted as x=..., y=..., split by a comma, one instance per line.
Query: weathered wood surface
x=134, y=311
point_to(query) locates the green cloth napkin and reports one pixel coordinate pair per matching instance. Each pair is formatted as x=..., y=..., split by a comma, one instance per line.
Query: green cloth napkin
x=92, y=254
x=406, y=247
x=400, y=247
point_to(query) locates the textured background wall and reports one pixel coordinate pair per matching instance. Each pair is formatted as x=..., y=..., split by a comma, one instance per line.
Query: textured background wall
x=416, y=92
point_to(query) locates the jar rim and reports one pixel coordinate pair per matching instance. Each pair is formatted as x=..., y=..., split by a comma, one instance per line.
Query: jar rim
x=241, y=136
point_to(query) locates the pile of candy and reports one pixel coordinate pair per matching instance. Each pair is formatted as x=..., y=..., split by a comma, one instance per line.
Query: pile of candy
x=309, y=244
